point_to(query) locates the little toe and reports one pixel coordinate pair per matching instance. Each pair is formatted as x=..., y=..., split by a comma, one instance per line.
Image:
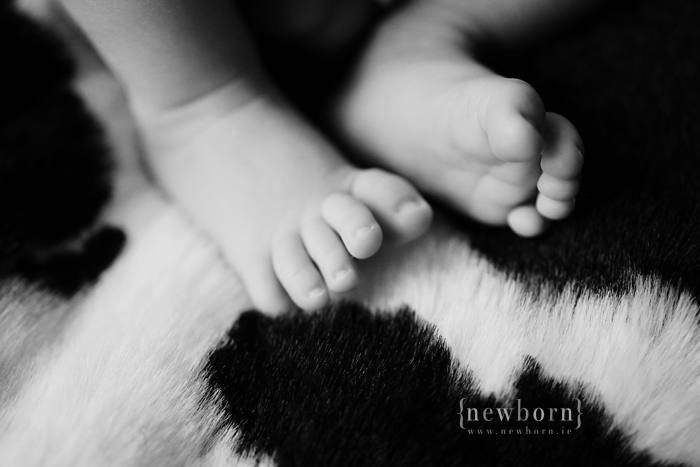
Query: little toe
x=329, y=254
x=562, y=157
x=297, y=273
x=396, y=204
x=556, y=188
x=552, y=208
x=354, y=223
x=264, y=289
x=514, y=122
x=493, y=199
x=526, y=221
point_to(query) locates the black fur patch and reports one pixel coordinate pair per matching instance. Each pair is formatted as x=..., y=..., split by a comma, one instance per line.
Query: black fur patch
x=54, y=166
x=54, y=173
x=67, y=271
x=631, y=84
x=345, y=387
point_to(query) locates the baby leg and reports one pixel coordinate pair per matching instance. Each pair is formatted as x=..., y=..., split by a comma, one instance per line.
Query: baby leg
x=422, y=105
x=286, y=210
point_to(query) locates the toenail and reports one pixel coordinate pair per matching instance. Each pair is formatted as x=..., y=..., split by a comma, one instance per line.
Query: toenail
x=342, y=274
x=410, y=205
x=317, y=292
x=363, y=231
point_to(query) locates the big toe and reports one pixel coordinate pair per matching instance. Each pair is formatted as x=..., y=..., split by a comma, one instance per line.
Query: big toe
x=514, y=121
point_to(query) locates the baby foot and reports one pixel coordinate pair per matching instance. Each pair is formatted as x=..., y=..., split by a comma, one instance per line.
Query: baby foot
x=287, y=211
x=421, y=106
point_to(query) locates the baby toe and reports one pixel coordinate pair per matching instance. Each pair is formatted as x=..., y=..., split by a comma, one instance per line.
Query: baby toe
x=264, y=289
x=493, y=199
x=526, y=221
x=354, y=223
x=562, y=157
x=515, y=121
x=556, y=188
x=329, y=254
x=552, y=208
x=397, y=206
x=297, y=273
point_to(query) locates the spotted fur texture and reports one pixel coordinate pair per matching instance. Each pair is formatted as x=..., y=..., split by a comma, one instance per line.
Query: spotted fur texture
x=156, y=359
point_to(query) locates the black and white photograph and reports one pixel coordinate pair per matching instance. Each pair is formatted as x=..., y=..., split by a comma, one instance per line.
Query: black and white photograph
x=349, y=233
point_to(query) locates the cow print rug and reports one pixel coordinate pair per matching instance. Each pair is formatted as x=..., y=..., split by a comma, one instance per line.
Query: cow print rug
x=126, y=340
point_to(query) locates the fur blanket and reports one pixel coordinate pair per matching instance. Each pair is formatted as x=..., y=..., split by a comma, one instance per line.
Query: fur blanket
x=125, y=340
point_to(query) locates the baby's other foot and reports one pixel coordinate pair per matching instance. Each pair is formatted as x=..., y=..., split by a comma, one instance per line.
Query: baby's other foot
x=421, y=106
x=287, y=211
